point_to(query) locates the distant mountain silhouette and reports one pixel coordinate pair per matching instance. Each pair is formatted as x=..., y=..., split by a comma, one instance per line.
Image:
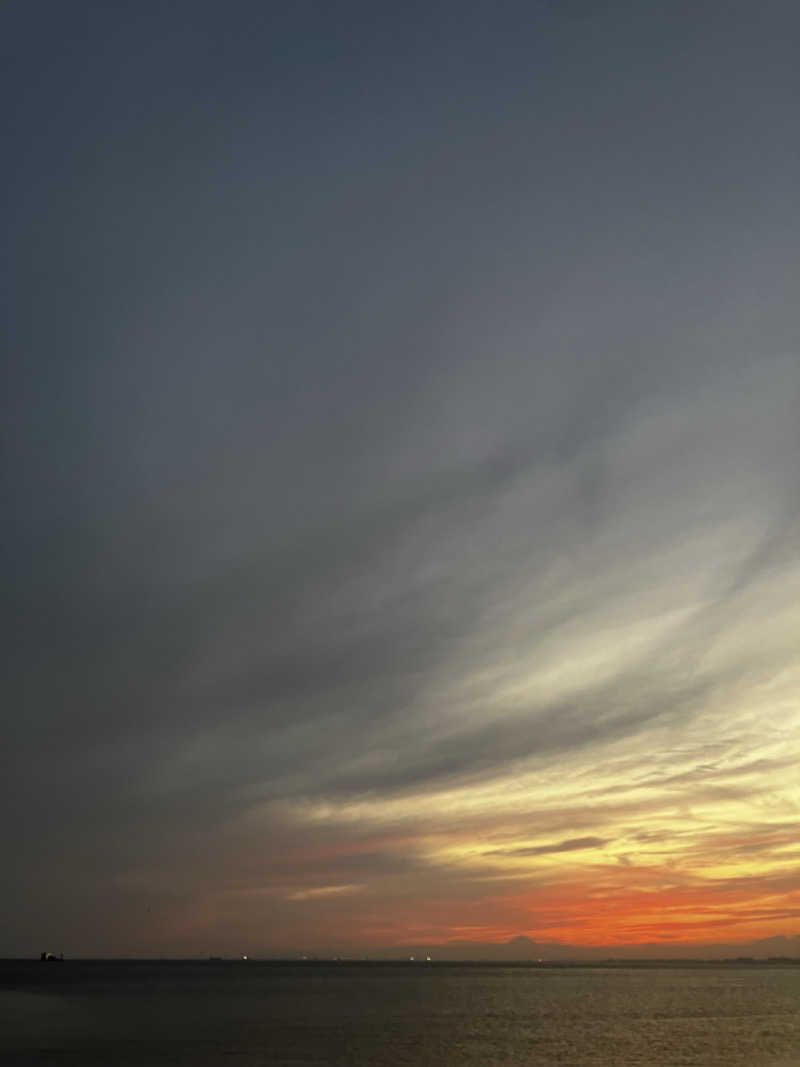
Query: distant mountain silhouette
x=523, y=948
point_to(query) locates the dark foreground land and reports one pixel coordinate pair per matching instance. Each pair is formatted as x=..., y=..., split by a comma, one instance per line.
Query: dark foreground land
x=203, y=1014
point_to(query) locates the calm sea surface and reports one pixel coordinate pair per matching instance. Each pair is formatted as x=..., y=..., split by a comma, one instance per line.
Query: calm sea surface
x=199, y=1014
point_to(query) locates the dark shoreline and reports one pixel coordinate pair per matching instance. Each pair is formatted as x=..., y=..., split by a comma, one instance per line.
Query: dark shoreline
x=322, y=961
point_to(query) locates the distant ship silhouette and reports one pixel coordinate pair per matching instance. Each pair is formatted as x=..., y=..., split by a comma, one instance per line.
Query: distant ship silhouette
x=50, y=957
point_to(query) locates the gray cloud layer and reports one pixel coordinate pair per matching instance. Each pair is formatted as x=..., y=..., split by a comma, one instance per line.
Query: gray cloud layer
x=364, y=370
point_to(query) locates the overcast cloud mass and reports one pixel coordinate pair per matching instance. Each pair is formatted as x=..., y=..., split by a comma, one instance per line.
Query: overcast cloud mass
x=401, y=475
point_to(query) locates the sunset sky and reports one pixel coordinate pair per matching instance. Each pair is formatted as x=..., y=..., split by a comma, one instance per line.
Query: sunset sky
x=401, y=476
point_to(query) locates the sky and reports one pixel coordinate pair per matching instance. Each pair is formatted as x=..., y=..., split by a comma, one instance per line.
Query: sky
x=401, y=477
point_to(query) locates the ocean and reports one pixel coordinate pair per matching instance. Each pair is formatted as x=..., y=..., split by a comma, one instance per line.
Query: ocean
x=150, y=1014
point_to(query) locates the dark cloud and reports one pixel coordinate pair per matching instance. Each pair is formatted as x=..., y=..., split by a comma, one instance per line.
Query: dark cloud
x=573, y=844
